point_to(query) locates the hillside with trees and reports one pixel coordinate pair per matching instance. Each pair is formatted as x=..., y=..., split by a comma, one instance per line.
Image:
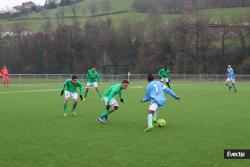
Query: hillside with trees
x=191, y=42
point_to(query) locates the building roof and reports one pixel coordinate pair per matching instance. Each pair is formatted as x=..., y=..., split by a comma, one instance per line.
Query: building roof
x=28, y=3
x=18, y=7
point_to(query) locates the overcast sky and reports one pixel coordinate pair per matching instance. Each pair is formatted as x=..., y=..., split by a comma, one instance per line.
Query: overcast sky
x=4, y=4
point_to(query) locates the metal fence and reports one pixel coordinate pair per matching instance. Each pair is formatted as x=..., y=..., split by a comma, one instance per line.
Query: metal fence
x=47, y=78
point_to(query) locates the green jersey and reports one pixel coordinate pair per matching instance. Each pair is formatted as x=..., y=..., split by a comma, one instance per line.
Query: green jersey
x=164, y=73
x=112, y=91
x=92, y=76
x=71, y=87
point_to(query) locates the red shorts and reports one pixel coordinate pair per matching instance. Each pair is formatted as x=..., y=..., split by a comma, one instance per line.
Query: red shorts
x=5, y=78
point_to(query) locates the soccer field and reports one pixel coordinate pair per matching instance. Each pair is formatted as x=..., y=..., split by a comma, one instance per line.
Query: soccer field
x=207, y=120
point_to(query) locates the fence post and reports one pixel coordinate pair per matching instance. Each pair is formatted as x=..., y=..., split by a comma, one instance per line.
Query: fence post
x=20, y=77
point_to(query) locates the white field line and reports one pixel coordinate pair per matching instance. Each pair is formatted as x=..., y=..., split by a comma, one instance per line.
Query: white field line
x=54, y=90
x=30, y=91
x=182, y=84
x=30, y=84
x=49, y=90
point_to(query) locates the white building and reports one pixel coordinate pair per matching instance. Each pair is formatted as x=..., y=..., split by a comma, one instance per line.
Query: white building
x=57, y=2
x=12, y=33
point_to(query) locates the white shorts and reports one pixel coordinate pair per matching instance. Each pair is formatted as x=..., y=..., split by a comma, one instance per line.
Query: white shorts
x=165, y=79
x=112, y=102
x=230, y=80
x=153, y=107
x=91, y=85
x=72, y=95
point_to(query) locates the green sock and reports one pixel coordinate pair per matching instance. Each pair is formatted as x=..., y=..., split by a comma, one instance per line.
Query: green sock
x=65, y=107
x=228, y=85
x=86, y=92
x=99, y=93
x=106, y=113
x=233, y=86
x=74, y=106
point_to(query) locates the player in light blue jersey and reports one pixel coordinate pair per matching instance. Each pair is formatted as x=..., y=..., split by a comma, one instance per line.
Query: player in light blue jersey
x=155, y=94
x=230, y=78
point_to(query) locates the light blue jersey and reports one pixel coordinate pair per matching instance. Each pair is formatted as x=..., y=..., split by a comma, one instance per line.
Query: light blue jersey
x=155, y=93
x=230, y=73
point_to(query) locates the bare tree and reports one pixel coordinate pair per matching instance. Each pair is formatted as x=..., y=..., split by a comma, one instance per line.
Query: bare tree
x=75, y=9
x=1, y=31
x=245, y=66
x=200, y=22
x=224, y=31
x=60, y=17
x=173, y=6
x=18, y=28
x=47, y=27
x=239, y=29
x=155, y=23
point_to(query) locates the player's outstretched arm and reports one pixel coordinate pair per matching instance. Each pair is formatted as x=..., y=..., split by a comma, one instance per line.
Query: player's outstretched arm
x=80, y=87
x=148, y=93
x=145, y=99
x=170, y=92
x=98, y=77
x=63, y=87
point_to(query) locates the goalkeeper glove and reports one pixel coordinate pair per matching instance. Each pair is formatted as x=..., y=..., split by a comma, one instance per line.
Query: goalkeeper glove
x=62, y=92
x=178, y=98
x=121, y=100
x=107, y=107
x=81, y=97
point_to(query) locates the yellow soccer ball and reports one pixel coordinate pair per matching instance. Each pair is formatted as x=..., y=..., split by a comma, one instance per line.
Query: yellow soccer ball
x=161, y=122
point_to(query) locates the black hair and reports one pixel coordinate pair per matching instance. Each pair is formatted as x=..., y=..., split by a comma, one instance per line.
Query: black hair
x=125, y=81
x=74, y=77
x=150, y=77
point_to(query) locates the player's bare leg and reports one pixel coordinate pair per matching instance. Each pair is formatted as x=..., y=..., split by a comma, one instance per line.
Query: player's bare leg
x=7, y=83
x=227, y=84
x=235, y=90
x=150, y=121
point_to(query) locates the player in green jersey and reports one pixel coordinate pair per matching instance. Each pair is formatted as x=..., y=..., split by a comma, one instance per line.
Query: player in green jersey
x=111, y=103
x=93, y=75
x=165, y=76
x=71, y=85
